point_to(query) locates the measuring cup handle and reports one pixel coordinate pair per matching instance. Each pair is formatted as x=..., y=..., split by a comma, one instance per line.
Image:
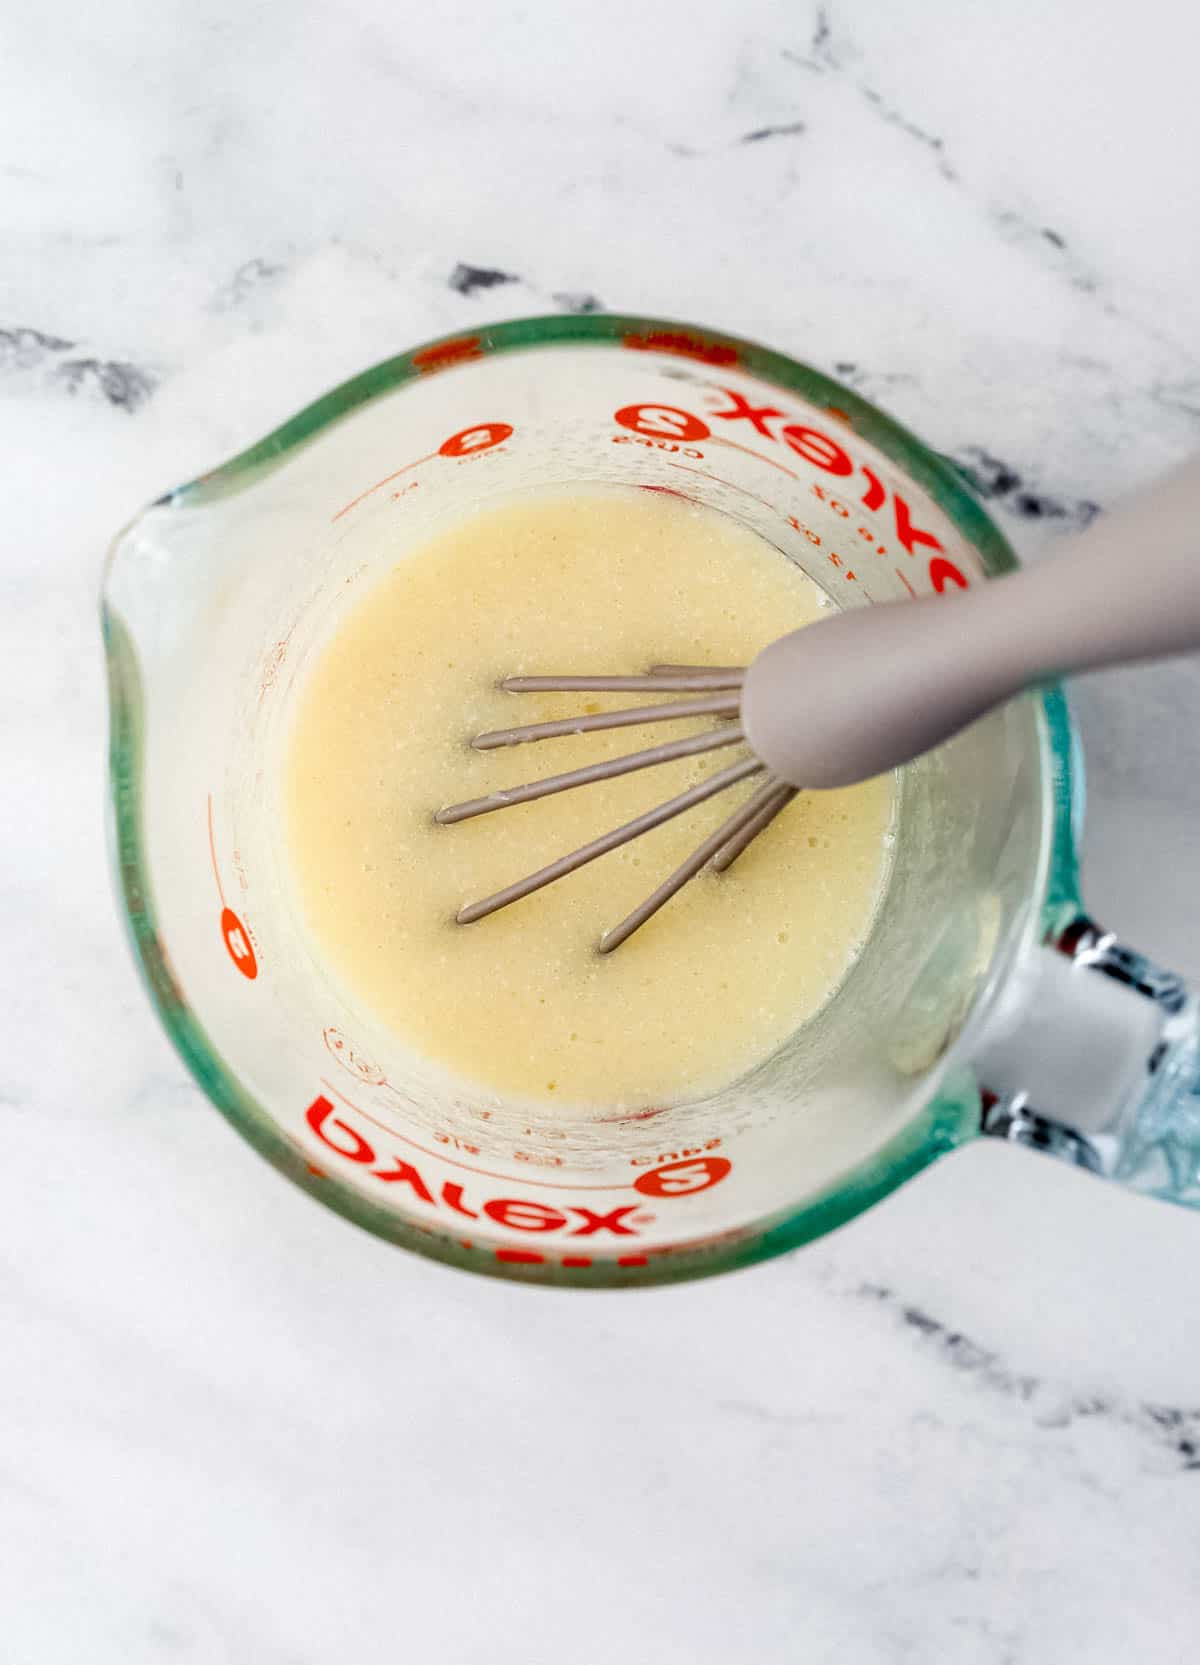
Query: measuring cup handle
x=1093, y=1056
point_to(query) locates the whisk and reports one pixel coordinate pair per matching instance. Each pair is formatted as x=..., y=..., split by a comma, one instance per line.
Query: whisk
x=719, y=692
x=868, y=690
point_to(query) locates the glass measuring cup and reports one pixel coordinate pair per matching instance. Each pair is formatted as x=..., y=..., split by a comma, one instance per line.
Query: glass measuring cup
x=983, y=1001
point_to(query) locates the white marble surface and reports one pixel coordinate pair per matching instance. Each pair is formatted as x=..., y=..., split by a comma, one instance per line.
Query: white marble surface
x=231, y=1427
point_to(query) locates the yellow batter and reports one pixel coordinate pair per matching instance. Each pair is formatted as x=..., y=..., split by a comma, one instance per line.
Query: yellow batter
x=590, y=580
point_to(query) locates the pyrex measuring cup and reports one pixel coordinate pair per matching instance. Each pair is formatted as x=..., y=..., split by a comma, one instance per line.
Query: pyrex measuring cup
x=984, y=999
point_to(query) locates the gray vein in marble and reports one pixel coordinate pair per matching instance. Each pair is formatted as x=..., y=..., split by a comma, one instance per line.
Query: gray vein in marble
x=822, y=58
x=953, y=1347
x=466, y=280
x=998, y=482
x=1182, y=395
x=820, y=55
x=27, y=349
x=121, y=384
x=1173, y=1428
x=992, y=479
x=895, y=118
x=776, y=130
x=578, y=302
x=1043, y=242
x=875, y=380
x=1015, y=228
x=755, y=1411
x=250, y=276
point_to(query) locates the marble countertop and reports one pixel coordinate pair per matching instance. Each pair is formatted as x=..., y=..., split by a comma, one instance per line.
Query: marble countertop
x=966, y=1428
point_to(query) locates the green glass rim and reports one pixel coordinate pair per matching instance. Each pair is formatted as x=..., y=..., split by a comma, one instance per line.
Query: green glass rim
x=950, y=1117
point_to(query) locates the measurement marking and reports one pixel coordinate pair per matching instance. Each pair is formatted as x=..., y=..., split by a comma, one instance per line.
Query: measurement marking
x=719, y=439
x=383, y=482
x=485, y=1173
x=906, y=583
x=733, y=486
x=212, y=850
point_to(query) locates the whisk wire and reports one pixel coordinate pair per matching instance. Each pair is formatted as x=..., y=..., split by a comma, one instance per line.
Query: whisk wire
x=717, y=690
x=779, y=798
x=680, y=678
x=688, y=869
x=698, y=794
x=713, y=705
x=694, y=745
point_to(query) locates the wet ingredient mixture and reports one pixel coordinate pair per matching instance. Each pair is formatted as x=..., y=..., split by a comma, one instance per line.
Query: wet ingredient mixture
x=584, y=580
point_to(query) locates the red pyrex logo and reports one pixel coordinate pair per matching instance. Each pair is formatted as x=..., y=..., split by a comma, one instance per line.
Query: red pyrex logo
x=514, y=1213
x=815, y=447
